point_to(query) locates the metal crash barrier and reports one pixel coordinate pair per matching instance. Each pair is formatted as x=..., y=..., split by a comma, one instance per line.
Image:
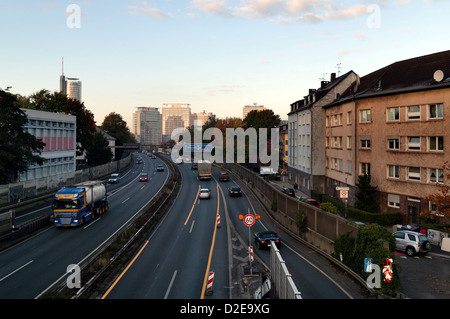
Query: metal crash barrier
x=283, y=285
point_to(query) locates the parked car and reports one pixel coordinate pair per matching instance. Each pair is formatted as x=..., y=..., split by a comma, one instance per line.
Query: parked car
x=224, y=177
x=194, y=166
x=143, y=177
x=288, y=191
x=234, y=191
x=411, y=242
x=114, y=178
x=204, y=193
x=263, y=239
x=160, y=168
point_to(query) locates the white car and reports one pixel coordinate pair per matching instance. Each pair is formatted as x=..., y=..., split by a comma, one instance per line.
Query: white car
x=204, y=193
x=114, y=179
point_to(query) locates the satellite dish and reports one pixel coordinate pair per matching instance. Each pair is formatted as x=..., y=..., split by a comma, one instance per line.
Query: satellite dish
x=438, y=76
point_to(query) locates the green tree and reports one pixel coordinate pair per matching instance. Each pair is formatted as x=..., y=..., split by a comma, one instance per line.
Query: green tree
x=98, y=152
x=115, y=126
x=18, y=149
x=366, y=194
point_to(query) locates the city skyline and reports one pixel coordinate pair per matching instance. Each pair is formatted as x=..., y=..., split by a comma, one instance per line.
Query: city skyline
x=216, y=55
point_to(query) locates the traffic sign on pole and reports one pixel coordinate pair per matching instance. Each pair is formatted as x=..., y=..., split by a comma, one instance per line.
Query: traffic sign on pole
x=343, y=193
x=249, y=220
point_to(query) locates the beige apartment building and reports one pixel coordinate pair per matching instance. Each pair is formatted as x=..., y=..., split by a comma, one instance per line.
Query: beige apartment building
x=248, y=108
x=394, y=125
x=175, y=116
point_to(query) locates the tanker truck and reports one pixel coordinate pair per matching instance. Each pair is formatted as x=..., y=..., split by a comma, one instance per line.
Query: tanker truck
x=73, y=206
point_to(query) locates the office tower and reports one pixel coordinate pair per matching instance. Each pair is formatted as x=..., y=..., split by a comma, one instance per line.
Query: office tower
x=147, y=125
x=70, y=86
x=201, y=118
x=175, y=116
x=248, y=108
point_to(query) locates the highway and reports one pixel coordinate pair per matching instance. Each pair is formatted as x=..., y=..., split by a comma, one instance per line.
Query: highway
x=176, y=259
x=30, y=268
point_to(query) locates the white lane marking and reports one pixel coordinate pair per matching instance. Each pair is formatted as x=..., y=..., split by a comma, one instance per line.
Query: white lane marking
x=16, y=270
x=170, y=285
x=192, y=226
x=126, y=200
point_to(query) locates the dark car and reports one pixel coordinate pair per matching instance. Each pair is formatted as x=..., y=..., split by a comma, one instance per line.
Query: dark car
x=143, y=177
x=194, y=166
x=224, y=176
x=263, y=239
x=288, y=191
x=139, y=161
x=234, y=191
x=160, y=168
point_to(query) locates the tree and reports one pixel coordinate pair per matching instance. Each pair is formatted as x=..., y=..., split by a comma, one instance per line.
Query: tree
x=18, y=148
x=115, y=126
x=261, y=119
x=440, y=199
x=98, y=152
x=366, y=194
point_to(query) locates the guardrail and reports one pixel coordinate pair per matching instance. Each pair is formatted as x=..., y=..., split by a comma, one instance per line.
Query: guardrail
x=283, y=285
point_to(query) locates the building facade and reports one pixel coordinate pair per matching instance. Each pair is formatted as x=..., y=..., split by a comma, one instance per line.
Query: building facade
x=248, y=108
x=58, y=132
x=306, y=133
x=200, y=118
x=395, y=128
x=175, y=116
x=147, y=125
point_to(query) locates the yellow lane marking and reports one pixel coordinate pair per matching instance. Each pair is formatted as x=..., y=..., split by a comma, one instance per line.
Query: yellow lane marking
x=126, y=269
x=212, y=247
x=192, y=206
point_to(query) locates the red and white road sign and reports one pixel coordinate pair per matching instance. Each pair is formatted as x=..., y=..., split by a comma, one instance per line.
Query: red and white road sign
x=218, y=220
x=210, y=281
x=250, y=250
x=344, y=194
x=249, y=220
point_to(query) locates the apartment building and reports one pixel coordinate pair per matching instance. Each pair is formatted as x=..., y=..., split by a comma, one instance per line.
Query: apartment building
x=147, y=125
x=248, y=108
x=306, y=155
x=393, y=124
x=175, y=116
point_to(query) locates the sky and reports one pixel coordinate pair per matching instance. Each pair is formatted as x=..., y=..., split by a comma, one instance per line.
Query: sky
x=216, y=55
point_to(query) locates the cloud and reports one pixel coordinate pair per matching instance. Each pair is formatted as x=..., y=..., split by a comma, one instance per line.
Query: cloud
x=217, y=7
x=145, y=9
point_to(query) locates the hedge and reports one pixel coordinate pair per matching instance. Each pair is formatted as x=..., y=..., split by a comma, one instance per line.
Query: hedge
x=383, y=219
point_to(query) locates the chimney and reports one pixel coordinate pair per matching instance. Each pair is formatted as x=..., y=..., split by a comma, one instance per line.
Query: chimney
x=333, y=77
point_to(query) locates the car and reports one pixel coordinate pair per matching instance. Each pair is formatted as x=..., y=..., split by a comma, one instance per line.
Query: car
x=139, y=161
x=224, y=176
x=310, y=201
x=114, y=178
x=411, y=242
x=194, y=166
x=153, y=157
x=234, y=191
x=143, y=177
x=288, y=191
x=204, y=193
x=264, y=238
x=160, y=168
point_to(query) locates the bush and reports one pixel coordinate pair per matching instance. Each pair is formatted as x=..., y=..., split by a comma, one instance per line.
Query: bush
x=329, y=207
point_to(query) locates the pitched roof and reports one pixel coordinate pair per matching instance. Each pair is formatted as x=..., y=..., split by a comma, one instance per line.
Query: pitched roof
x=409, y=75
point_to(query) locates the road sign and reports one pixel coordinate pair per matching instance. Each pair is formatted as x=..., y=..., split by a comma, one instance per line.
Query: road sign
x=249, y=220
x=250, y=250
x=342, y=188
x=344, y=194
x=197, y=147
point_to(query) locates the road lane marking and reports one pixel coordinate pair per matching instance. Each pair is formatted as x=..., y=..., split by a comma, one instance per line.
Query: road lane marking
x=125, y=270
x=212, y=247
x=125, y=200
x=170, y=285
x=12, y=273
x=192, y=226
x=189, y=216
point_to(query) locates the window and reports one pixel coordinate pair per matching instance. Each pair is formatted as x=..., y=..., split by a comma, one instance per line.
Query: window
x=393, y=171
x=393, y=143
x=436, y=175
x=364, y=116
x=365, y=169
x=393, y=114
x=414, y=112
x=364, y=142
x=349, y=167
x=349, y=117
x=414, y=173
x=393, y=200
x=414, y=143
x=327, y=121
x=349, y=142
x=436, y=143
x=436, y=111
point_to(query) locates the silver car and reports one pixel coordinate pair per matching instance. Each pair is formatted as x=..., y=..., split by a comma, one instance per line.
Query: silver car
x=411, y=242
x=204, y=193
